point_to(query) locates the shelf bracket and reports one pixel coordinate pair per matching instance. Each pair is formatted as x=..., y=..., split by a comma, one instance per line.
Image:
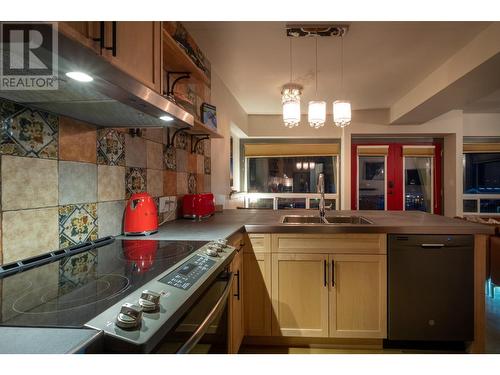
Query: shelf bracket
x=171, y=140
x=171, y=84
x=198, y=140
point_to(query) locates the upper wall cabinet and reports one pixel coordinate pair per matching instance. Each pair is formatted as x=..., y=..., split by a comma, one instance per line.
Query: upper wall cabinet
x=133, y=47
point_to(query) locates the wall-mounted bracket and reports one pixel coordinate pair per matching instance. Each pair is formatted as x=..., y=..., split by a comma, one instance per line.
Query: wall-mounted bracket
x=171, y=82
x=198, y=140
x=171, y=140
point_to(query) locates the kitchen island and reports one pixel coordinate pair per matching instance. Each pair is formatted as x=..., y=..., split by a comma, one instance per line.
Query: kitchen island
x=327, y=284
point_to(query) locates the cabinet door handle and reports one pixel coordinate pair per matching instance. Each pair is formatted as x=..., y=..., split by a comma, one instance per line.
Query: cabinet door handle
x=237, y=295
x=113, y=39
x=324, y=273
x=100, y=39
x=333, y=273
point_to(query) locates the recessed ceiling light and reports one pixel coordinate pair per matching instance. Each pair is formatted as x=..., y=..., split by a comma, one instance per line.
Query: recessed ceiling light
x=166, y=118
x=80, y=76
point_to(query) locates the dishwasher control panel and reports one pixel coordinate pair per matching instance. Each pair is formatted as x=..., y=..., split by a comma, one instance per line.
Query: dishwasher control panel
x=188, y=273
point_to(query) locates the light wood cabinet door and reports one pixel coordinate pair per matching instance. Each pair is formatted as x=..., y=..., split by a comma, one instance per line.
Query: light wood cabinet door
x=84, y=32
x=137, y=50
x=237, y=324
x=300, y=295
x=257, y=293
x=358, y=296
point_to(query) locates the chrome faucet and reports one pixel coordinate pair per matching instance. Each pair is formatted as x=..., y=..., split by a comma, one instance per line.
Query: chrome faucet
x=321, y=190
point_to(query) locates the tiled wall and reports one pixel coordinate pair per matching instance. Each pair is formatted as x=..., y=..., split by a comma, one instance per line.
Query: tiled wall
x=64, y=182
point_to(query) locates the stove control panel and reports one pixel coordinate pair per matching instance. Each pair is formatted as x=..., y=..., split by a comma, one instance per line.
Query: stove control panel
x=190, y=272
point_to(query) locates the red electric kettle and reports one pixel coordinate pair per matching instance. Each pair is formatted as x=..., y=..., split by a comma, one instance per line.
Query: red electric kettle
x=141, y=215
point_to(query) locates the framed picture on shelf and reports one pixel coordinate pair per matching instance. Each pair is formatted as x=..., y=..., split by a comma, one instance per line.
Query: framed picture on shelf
x=209, y=115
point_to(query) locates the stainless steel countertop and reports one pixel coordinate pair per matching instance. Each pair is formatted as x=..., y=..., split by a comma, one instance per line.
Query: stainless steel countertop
x=224, y=224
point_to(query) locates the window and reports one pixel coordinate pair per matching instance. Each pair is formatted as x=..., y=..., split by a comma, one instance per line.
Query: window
x=291, y=174
x=482, y=183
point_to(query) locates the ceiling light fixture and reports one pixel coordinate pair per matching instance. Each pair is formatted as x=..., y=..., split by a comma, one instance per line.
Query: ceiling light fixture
x=290, y=99
x=341, y=108
x=80, y=76
x=317, y=108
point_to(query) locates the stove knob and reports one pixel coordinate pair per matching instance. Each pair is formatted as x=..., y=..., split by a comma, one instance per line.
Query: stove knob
x=149, y=301
x=130, y=316
x=212, y=252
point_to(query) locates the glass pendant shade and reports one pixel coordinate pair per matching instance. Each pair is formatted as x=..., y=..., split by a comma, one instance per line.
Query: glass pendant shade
x=341, y=113
x=317, y=114
x=312, y=165
x=290, y=98
x=298, y=165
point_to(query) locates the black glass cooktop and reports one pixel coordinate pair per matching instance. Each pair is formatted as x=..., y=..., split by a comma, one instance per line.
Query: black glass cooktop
x=72, y=290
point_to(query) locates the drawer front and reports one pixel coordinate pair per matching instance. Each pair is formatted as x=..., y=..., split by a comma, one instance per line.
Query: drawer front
x=344, y=243
x=260, y=243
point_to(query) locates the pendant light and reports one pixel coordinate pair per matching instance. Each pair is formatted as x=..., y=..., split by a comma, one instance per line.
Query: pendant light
x=341, y=108
x=317, y=108
x=290, y=99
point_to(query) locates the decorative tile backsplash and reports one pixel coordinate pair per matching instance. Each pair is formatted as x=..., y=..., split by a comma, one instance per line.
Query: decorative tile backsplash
x=77, y=224
x=81, y=193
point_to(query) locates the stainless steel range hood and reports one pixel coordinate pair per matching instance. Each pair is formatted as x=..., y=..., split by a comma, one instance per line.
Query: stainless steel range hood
x=112, y=99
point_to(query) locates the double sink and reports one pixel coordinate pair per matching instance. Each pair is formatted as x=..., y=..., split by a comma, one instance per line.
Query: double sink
x=309, y=219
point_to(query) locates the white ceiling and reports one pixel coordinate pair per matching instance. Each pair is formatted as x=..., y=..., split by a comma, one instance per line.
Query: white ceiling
x=382, y=60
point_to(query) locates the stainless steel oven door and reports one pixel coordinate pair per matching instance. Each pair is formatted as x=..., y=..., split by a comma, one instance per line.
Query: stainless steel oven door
x=204, y=328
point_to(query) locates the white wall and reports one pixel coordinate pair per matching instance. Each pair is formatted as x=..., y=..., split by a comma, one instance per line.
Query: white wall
x=229, y=113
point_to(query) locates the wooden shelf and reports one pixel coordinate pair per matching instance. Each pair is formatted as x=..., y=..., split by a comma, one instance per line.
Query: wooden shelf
x=201, y=129
x=176, y=59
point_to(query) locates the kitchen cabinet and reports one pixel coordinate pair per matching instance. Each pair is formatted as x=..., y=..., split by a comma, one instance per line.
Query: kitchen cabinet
x=329, y=285
x=257, y=285
x=358, y=295
x=236, y=317
x=300, y=294
x=84, y=32
x=135, y=49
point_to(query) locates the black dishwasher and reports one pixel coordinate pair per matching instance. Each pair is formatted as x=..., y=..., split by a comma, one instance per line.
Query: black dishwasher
x=431, y=288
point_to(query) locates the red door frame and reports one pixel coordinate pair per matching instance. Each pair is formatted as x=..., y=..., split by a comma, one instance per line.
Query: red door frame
x=394, y=171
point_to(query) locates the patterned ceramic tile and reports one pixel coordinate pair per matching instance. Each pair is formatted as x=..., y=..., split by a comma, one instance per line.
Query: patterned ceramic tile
x=208, y=167
x=135, y=181
x=181, y=141
x=27, y=233
x=155, y=182
x=110, y=147
x=135, y=151
x=182, y=183
x=169, y=158
x=169, y=183
x=77, y=271
x=192, y=183
x=30, y=133
x=77, y=182
x=110, y=183
x=28, y=183
x=77, y=140
x=154, y=155
x=181, y=159
x=110, y=216
x=77, y=224
x=192, y=163
x=208, y=146
x=200, y=147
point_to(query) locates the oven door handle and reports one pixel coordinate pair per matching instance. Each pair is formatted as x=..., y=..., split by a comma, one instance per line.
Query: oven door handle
x=201, y=330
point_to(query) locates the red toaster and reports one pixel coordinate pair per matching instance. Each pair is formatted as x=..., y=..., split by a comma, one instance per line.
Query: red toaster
x=141, y=215
x=198, y=206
